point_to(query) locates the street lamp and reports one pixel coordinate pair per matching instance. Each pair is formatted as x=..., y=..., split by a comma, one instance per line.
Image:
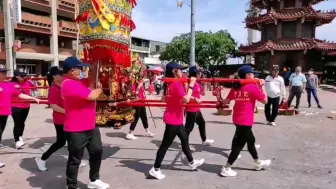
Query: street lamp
x=180, y=3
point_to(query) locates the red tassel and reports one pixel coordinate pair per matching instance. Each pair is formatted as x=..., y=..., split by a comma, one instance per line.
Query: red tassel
x=83, y=17
x=95, y=4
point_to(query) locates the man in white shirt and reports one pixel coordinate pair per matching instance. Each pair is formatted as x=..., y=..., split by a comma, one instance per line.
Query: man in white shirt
x=275, y=89
x=157, y=83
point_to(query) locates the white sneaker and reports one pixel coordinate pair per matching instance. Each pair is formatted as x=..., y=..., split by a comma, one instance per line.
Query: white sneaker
x=156, y=174
x=149, y=134
x=262, y=164
x=2, y=165
x=268, y=123
x=98, y=184
x=131, y=137
x=273, y=124
x=41, y=165
x=21, y=139
x=196, y=163
x=2, y=146
x=228, y=172
x=208, y=142
x=19, y=144
x=257, y=146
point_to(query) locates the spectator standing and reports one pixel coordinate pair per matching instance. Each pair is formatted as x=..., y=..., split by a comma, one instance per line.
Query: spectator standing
x=297, y=82
x=275, y=90
x=312, y=84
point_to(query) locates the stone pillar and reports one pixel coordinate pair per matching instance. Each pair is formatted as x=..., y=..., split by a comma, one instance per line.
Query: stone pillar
x=54, y=34
x=9, y=38
x=279, y=30
x=298, y=29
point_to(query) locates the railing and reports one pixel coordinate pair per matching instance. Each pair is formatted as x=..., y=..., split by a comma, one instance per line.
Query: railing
x=67, y=27
x=139, y=48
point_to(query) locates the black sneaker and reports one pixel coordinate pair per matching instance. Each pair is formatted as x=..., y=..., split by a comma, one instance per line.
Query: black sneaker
x=309, y=106
x=319, y=106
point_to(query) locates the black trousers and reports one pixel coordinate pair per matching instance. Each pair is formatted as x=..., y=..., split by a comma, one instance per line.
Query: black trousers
x=77, y=142
x=272, y=103
x=191, y=119
x=169, y=135
x=3, y=122
x=60, y=142
x=140, y=112
x=242, y=136
x=296, y=91
x=19, y=116
x=157, y=89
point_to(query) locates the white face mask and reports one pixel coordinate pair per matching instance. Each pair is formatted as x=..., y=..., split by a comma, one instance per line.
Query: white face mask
x=81, y=75
x=310, y=72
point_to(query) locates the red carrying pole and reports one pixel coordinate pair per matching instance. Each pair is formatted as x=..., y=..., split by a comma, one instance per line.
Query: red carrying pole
x=214, y=80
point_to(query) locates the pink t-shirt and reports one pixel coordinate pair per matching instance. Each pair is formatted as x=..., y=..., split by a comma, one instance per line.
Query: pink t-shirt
x=55, y=97
x=197, y=94
x=245, y=99
x=7, y=92
x=80, y=113
x=141, y=93
x=174, y=100
x=24, y=86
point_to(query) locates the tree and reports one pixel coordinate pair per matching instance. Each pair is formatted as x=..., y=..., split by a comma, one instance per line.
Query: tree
x=211, y=48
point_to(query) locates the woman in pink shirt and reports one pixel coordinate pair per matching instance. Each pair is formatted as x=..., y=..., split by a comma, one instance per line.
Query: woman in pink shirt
x=140, y=112
x=194, y=115
x=56, y=103
x=245, y=98
x=8, y=90
x=20, y=111
x=175, y=97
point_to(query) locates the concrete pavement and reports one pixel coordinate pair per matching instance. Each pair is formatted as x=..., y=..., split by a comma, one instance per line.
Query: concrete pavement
x=302, y=149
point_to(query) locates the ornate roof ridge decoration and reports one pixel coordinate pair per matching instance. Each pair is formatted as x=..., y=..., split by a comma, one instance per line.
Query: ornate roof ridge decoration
x=288, y=45
x=265, y=3
x=308, y=13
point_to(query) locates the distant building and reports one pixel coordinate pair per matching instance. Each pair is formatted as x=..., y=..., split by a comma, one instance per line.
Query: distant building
x=41, y=39
x=148, y=50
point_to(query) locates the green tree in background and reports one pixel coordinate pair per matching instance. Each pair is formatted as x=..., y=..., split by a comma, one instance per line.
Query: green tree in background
x=211, y=48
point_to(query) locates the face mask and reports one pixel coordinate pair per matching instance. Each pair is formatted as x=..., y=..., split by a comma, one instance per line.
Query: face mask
x=310, y=72
x=81, y=75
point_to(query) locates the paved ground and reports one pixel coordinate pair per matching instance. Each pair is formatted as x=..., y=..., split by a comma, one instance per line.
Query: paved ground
x=301, y=147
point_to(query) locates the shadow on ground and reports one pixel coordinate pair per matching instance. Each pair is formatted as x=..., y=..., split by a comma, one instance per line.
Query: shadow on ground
x=198, y=148
x=54, y=178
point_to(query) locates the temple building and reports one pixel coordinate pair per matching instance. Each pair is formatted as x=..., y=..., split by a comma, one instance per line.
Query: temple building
x=288, y=34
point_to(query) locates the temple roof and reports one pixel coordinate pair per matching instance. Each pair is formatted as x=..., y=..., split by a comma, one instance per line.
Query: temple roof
x=264, y=3
x=308, y=13
x=288, y=45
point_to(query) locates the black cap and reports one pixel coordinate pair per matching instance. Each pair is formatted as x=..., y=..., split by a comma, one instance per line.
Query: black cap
x=3, y=68
x=73, y=62
x=55, y=70
x=19, y=73
x=193, y=71
x=242, y=71
x=311, y=69
x=171, y=66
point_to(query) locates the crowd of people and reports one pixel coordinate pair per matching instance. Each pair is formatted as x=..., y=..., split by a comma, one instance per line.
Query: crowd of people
x=69, y=99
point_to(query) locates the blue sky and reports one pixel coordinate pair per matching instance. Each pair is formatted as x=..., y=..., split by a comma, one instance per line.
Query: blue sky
x=161, y=20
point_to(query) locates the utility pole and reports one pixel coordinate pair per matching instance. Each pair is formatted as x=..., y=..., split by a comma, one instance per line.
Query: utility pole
x=193, y=35
x=9, y=37
x=192, y=30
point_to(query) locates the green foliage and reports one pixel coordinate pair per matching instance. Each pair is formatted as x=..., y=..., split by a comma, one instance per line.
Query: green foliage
x=211, y=48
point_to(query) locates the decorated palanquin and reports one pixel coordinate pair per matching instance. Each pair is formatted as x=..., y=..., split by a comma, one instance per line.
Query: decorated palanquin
x=105, y=27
